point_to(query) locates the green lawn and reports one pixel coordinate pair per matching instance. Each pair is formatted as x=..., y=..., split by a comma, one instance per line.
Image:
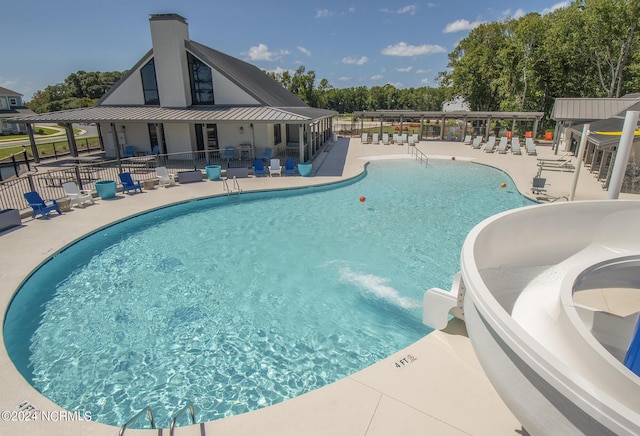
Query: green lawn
x=46, y=150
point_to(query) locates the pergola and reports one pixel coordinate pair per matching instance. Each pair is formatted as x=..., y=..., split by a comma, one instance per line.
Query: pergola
x=443, y=117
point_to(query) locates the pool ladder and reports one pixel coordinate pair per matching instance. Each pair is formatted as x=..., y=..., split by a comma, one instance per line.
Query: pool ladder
x=419, y=155
x=186, y=409
x=236, y=186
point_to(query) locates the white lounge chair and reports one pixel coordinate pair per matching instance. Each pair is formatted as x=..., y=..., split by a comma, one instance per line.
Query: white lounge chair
x=515, y=145
x=385, y=138
x=375, y=139
x=365, y=138
x=275, y=168
x=164, y=178
x=502, y=145
x=530, y=146
x=490, y=144
x=78, y=197
x=476, y=142
x=468, y=139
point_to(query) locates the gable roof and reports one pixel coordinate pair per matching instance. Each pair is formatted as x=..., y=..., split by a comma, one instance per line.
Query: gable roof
x=589, y=109
x=246, y=76
x=5, y=91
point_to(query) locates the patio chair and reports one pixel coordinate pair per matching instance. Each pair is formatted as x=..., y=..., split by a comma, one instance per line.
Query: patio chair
x=364, y=138
x=78, y=196
x=275, y=167
x=40, y=206
x=538, y=185
x=128, y=185
x=266, y=154
x=476, y=142
x=415, y=138
x=468, y=139
x=164, y=178
x=290, y=166
x=385, y=138
x=530, y=146
x=258, y=168
x=228, y=153
x=502, y=145
x=129, y=151
x=375, y=139
x=154, y=151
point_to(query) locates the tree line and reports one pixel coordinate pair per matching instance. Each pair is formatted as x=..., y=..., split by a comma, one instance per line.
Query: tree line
x=590, y=48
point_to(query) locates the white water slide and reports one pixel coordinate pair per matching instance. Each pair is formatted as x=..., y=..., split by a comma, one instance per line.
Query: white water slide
x=537, y=290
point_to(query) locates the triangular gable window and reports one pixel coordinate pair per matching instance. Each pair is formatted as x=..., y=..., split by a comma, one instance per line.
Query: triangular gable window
x=201, y=81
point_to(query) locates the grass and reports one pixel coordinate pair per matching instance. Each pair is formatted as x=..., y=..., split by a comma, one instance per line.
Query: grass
x=46, y=150
x=39, y=131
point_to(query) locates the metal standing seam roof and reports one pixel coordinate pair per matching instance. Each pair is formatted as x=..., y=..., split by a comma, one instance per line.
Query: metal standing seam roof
x=156, y=114
x=589, y=109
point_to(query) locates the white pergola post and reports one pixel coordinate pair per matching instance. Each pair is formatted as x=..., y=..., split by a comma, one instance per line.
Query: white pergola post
x=301, y=142
x=583, y=146
x=622, y=155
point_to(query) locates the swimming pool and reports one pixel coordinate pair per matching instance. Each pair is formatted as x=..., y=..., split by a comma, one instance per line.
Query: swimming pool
x=241, y=302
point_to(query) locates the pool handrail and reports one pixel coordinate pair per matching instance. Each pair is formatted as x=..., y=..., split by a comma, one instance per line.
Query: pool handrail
x=187, y=407
x=134, y=417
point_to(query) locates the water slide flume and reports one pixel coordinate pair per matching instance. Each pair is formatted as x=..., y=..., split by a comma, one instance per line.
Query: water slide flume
x=556, y=362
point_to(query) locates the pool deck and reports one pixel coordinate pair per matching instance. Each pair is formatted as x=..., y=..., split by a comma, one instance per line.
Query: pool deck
x=441, y=390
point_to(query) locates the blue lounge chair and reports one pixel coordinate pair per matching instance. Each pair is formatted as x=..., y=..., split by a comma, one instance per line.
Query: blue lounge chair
x=129, y=151
x=128, y=185
x=266, y=154
x=258, y=167
x=154, y=151
x=228, y=153
x=290, y=166
x=39, y=205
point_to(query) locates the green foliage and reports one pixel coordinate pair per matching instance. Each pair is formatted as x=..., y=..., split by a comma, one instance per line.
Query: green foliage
x=81, y=89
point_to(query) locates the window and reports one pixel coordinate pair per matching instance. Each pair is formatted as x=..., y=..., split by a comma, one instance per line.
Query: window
x=153, y=137
x=149, y=83
x=201, y=82
x=13, y=101
x=277, y=134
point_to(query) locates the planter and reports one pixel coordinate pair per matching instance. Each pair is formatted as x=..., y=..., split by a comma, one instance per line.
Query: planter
x=64, y=204
x=213, y=171
x=149, y=184
x=106, y=189
x=304, y=168
x=9, y=218
x=189, y=176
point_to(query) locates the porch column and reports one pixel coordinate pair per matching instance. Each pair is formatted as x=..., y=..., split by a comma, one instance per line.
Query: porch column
x=622, y=154
x=534, y=133
x=114, y=134
x=309, y=141
x=381, y=125
x=400, y=124
x=301, y=142
x=464, y=127
x=487, y=130
x=442, y=128
x=32, y=141
x=421, y=126
x=73, y=149
x=160, y=137
x=513, y=127
x=100, y=140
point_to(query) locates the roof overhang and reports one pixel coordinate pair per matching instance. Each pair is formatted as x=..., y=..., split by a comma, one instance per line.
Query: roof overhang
x=449, y=114
x=611, y=125
x=192, y=114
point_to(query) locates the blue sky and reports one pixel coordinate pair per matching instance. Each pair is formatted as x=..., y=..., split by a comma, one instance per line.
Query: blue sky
x=350, y=43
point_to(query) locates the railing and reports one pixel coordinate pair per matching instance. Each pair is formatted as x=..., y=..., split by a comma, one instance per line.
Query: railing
x=236, y=184
x=192, y=415
x=136, y=416
x=419, y=155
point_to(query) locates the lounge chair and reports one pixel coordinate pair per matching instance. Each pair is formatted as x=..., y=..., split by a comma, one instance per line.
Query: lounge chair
x=395, y=138
x=400, y=140
x=129, y=151
x=78, y=197
x=415, y=139
x=490, y=144
x=515, y=145
x=290, y=166
x=502, y=145
x=538, y=185
x=476, y=142
x=275, y=167
x=530, y=146
x=258, y=168
x=364, y=138
x=385, y=138
x=375, y=139
x=468, y=139
x=228, y=153
x=128, y=185
x=40, y=206
x=164, y=178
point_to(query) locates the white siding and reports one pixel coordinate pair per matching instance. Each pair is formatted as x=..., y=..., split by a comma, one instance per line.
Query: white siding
x=226, y=92
x=128, y=92
x=178, y=137
x=170, y=56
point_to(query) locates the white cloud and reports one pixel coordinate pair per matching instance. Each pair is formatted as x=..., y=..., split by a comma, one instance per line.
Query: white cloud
x=262, y=53
x=404, y=49
x=344, y=78
x=404, y=70
x=352, y=9
x=323, y=13
x=411, y=9
x=350, y=60
x=559, y=5
x=507, y=14
x=432, y=5
x=279, y=70
x=304, y=50
x=461, y=25
x=425, y=81
x=421, y=71
x=376, y=77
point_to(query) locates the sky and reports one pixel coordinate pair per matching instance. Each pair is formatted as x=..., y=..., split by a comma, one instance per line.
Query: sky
x=349, y=43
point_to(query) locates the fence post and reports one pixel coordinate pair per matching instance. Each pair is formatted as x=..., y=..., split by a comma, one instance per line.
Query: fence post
x=26, y=158
x=78, y=178
x=55, y=152
x=15, y=165
x=32, y=186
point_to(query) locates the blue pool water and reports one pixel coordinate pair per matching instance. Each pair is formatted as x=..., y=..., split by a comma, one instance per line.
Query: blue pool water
x=241, y=302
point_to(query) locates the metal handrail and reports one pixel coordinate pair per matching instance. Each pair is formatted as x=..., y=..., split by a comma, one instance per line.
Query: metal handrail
x=189, y=408
x=419, y=155
x=226, y=185
x=236, y=184
x=136, y=416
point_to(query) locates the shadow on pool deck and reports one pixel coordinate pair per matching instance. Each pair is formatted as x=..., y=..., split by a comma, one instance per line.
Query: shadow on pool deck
x=331, y=159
